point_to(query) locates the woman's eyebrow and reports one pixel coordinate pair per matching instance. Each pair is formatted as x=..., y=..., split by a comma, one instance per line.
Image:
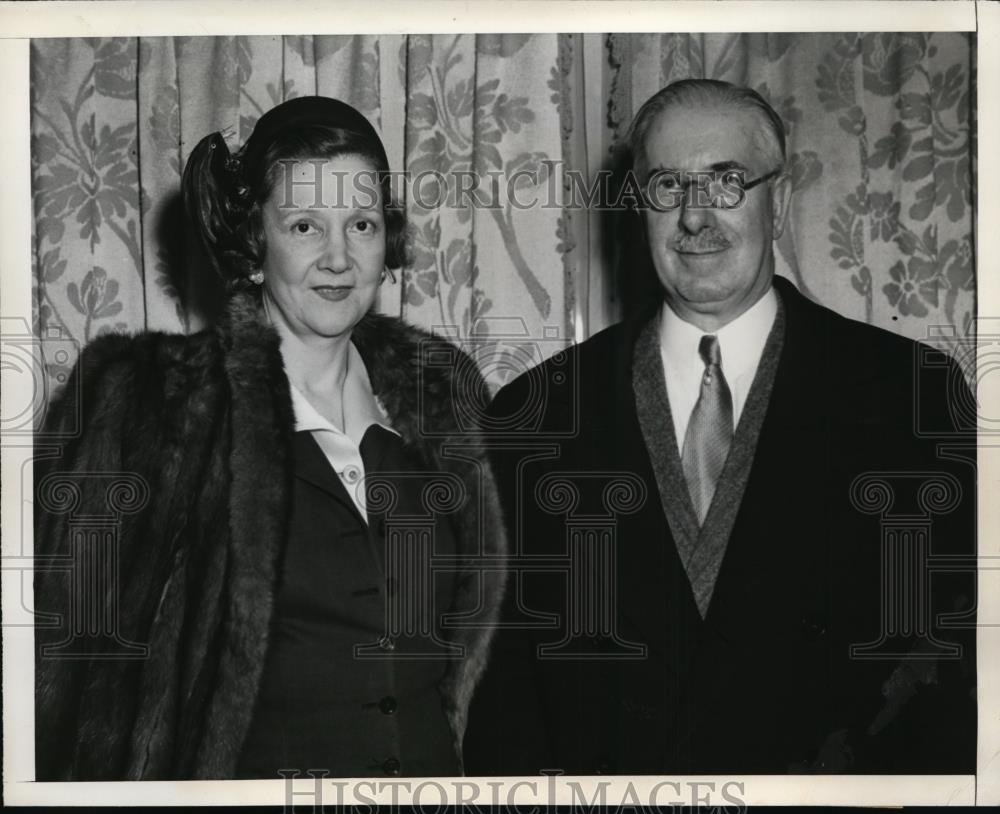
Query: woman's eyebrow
x=286, y=211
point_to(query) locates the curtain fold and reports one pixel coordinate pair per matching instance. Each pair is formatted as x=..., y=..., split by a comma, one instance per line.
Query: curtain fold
x=880, y=142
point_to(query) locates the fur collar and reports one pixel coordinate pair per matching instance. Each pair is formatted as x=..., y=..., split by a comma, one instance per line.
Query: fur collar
x=419, y=378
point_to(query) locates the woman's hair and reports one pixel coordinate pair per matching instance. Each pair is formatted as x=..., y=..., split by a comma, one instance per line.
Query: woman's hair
x=224, y=193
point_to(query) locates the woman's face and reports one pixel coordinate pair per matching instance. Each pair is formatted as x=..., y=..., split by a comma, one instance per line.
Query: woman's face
x=325, y=234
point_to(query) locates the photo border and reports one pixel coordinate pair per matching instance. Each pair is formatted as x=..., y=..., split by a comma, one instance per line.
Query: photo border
x=21, y=21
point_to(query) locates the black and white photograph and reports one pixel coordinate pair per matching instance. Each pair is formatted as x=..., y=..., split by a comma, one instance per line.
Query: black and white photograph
x=543, y=403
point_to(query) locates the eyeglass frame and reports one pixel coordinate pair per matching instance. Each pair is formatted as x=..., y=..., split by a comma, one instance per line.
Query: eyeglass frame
x=718, y=174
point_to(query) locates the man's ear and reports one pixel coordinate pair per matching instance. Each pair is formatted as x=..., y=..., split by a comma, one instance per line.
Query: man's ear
x=781, y=196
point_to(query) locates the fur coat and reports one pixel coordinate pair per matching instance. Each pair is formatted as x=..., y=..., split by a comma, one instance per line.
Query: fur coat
x=184, y=442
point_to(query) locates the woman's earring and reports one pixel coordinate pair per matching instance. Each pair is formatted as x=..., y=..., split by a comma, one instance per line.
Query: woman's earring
x=387, y=272
x=257, y=278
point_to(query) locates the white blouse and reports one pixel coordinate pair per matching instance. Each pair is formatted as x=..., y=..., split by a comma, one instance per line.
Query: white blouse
x=343, y=447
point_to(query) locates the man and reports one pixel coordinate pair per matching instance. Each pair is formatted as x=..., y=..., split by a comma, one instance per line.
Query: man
x=748, y=608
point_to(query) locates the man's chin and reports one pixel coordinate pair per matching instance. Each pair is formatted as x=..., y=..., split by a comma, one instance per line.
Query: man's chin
x=705, y=294
x=701, y=300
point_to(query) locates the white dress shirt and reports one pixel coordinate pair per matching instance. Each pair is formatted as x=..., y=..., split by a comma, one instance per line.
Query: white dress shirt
x=343, y=447
x=741, y=343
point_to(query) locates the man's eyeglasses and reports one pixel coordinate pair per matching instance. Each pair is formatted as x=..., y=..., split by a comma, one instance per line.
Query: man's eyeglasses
x=714, y=189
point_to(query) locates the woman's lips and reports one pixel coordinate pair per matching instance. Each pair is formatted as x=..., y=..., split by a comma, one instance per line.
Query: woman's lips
x=334, y=293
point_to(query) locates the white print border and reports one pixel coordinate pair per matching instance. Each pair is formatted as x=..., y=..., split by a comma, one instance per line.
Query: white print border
x=231, y=17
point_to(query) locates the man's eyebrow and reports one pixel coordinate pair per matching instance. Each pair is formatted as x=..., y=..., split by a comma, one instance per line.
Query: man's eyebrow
x=722, y=166
x=718, y=166
x=659, y=168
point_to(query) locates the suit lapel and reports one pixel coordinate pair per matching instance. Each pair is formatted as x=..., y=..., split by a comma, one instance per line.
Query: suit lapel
x=656, y=420
x=665, y=613
x=312, y=466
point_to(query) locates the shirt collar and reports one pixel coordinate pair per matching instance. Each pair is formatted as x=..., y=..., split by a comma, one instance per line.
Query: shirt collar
x=741, y=341
x=361, y=408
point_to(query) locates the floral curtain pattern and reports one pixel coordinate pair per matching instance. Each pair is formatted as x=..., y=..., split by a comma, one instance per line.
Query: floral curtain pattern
x=879, y=137
x=880, y=131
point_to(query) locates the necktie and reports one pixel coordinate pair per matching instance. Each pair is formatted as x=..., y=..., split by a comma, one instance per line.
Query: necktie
x=709, y=432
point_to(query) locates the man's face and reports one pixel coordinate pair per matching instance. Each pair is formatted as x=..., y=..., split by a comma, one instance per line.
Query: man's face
x=713, y=263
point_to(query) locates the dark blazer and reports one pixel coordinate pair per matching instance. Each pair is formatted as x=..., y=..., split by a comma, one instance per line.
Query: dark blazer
x=767, y=682
x=382, y=716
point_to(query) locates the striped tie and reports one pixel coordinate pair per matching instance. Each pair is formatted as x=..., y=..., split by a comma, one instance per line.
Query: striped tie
x=709, y=432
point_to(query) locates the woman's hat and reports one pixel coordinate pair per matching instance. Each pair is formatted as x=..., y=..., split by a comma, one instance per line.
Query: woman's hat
x=216, y=185
x=303, y=112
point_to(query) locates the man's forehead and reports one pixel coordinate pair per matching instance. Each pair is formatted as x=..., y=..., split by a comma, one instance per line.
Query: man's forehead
x=704, y=133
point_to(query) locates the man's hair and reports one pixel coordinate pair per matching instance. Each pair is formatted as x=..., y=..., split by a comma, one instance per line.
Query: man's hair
x=770, y=138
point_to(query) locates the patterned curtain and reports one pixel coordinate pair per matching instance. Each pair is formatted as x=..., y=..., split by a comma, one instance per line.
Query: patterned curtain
x=880, y=147
x=879, y=132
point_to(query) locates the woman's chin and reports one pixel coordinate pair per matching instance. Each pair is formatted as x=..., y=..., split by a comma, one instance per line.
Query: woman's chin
x=327, y=327
x=331, y=319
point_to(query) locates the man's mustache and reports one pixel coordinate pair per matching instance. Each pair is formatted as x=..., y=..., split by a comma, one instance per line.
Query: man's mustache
x=705, y=240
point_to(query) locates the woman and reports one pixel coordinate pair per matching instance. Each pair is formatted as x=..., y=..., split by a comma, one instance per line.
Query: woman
x=270, y=611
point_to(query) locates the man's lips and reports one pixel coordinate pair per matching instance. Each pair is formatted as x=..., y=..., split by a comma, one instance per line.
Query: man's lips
x=702, y=244
x=700, y=252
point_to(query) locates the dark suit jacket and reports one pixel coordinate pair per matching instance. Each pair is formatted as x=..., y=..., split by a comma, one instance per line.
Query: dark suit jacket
x=767, y=683
x=379, y=717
